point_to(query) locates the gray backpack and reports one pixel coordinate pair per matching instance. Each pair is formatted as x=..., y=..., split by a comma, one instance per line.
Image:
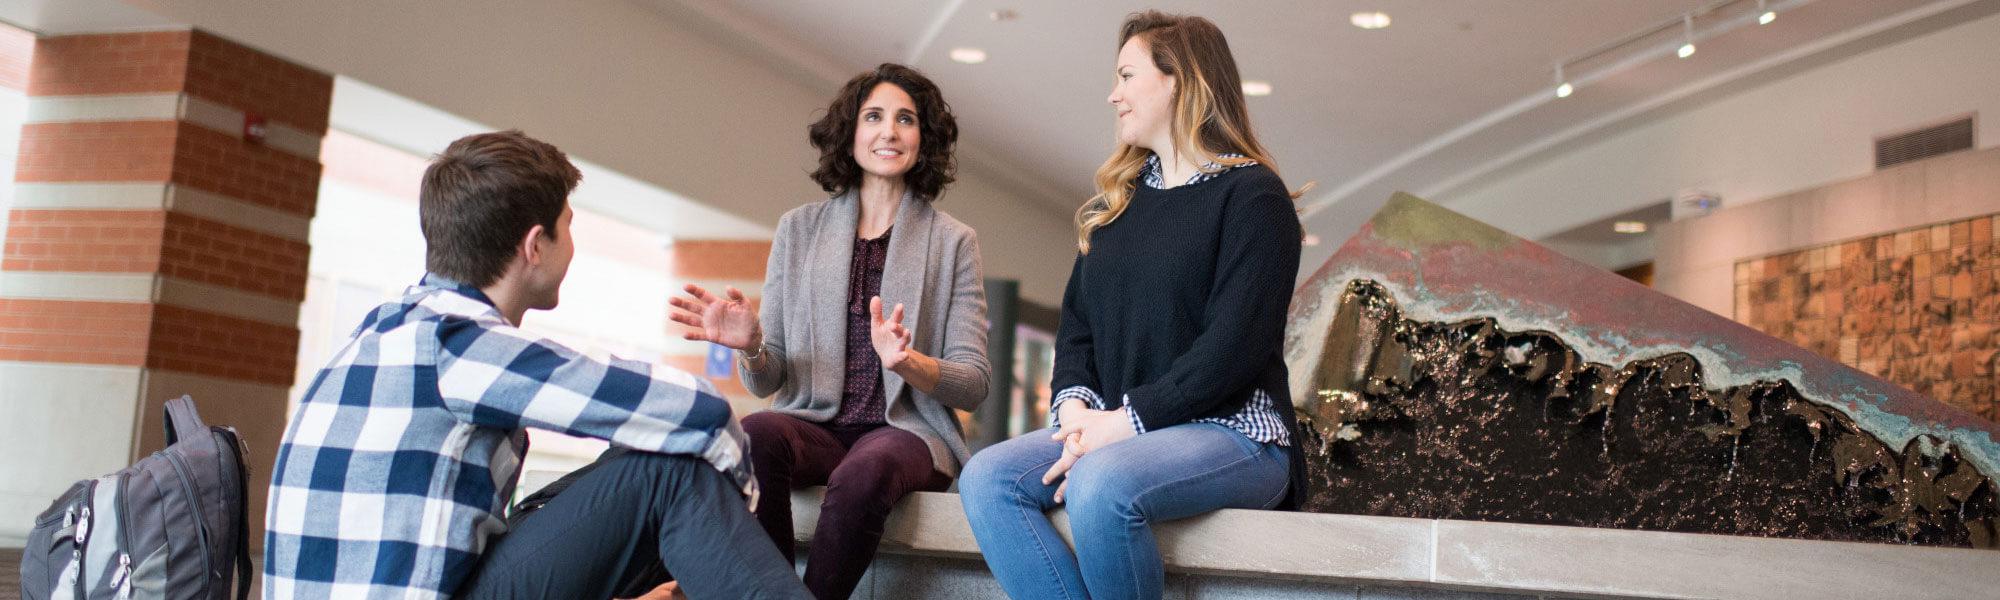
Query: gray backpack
x=172, y=526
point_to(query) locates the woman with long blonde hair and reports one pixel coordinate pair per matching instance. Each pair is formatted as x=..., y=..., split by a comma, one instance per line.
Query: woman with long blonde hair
x=1172, y=398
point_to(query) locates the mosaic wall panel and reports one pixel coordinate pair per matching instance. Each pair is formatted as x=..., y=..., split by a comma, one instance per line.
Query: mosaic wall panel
x=1919, y=307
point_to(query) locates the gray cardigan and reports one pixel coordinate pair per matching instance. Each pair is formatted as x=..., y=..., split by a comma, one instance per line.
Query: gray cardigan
x=932, y=269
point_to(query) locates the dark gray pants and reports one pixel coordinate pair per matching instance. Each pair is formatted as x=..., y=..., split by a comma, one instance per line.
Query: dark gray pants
x=620, y=520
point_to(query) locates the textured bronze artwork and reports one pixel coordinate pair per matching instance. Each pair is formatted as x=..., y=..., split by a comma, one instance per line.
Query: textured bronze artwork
x=1445, y=369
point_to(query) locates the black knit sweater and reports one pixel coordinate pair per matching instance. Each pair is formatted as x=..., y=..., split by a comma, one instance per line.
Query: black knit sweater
x=1180, y=304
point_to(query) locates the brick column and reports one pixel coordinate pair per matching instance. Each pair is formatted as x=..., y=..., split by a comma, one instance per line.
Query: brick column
x=713, y=264
x=17, y=51
x=156, y=246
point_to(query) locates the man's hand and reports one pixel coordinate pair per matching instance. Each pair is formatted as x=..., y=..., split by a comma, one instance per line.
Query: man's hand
x=667, y=591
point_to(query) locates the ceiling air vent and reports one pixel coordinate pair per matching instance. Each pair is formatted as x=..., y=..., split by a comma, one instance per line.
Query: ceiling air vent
x=1923, y=143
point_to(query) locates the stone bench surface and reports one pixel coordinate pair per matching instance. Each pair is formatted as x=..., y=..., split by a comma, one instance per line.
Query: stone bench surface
x=1492, y=557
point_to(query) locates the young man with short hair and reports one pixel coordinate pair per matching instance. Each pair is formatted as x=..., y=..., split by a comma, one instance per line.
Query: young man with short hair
x=394, y=476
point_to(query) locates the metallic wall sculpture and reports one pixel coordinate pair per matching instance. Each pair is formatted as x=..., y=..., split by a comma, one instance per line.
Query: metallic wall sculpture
x=1446, y=369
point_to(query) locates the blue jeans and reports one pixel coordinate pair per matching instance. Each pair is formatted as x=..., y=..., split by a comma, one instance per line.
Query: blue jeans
x=1114, y=495
x=616, y=527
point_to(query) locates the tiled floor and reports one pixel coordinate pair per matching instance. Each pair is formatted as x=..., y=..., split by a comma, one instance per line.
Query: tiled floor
x=10, y=569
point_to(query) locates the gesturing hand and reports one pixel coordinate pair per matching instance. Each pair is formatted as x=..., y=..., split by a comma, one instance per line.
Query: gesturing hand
x=727, y=321
x=891, y=339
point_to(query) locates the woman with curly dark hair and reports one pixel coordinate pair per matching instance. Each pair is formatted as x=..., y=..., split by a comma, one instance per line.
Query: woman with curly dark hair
x=878, y=424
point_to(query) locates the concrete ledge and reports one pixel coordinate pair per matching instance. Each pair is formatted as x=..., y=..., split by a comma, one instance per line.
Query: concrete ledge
x=1506, y=558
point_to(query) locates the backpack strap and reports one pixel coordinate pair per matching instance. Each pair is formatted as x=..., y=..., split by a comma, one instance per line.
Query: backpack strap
x=242, y=514
x=243, y=553
x=182, y=420
x=184, y=423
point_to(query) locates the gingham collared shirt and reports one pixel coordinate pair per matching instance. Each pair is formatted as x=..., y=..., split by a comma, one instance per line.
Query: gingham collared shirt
x=398, y=465
x=1258, y=420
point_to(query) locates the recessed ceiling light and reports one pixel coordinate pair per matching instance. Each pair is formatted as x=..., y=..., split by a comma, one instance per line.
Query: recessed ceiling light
x=1369, y=19
x=1252, y=87
x=1629, y=227
x=1687, y=34
x=1564, y=90
x=970, y=56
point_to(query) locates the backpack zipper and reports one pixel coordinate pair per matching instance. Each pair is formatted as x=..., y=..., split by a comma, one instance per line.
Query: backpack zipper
x=201, y=524
x=121, y=580
x=83, y=541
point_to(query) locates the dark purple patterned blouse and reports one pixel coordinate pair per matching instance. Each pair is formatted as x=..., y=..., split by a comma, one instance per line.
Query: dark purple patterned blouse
x=861, y=401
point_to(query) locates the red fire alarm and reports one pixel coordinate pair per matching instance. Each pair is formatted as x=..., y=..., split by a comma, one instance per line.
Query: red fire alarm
x=253, y=128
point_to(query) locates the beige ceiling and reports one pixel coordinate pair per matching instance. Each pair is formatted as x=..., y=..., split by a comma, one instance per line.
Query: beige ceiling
x=1452, y=92
x=708, y=98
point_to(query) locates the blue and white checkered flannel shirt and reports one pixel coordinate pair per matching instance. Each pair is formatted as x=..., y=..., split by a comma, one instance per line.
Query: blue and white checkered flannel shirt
x=398, y=466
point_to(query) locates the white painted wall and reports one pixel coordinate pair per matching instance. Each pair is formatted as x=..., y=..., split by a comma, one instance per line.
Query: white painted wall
x=1805, y=130
x=94, y=408
x=1610, y=257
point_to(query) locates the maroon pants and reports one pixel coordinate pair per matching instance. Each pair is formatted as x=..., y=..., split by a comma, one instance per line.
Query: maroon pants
x=865, y=471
